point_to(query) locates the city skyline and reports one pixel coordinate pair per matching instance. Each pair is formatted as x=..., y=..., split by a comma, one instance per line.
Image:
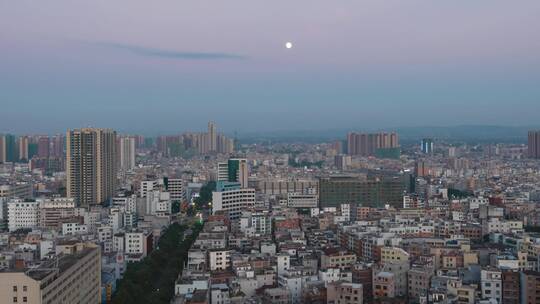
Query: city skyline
x=353, y=65
x=270, y=152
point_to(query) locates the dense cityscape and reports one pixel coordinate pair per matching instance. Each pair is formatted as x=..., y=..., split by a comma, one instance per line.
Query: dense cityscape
x=269, y=152
x=92, y=216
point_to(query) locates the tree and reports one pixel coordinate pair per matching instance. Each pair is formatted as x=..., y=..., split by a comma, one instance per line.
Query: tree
x=456, y=194
x=205, y=195
x=175, y=207
x=152, y=279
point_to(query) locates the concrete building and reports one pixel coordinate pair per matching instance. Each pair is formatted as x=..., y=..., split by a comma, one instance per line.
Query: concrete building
x=212, y=137
x=23, y=148
x=126, y=151
x=73, y=277
x=399, y=277
x=302, y=200
x=219, y=259
x=530, y=286
x=2, y=149
x=220, y=294
x=22, y=214
x=426, y=146
x=11, y=153
x=148, y=186
x=158, y=203
x=384, y=285
x=332, y=258
x=345, y=293
x=222, y=173
x=367, y=144
x=138, y=243
x=510, y=287
x=54, y=211
x=342, y=162
x=491, y=284
x=233, y=199
x=255, y=223
x=533, y=147
x=276, y=296
x=22, y=190
x=91, y=165
x=293, y=282
x=284, y=186
x=73, y=228
x=419, y=282
x=44, y=147
x=175, y=187
x=336, y=190
x=235, y=170
x=394, y=255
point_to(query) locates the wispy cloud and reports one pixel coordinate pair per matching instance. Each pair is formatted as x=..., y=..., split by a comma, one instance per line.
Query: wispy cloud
x=171, y=54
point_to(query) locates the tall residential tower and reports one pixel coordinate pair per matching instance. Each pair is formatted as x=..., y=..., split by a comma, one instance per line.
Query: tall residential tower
x=534, y=144
x=91, y=165
x=126, y=150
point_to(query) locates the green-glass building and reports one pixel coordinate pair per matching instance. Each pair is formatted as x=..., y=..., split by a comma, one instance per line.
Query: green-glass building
x=336, y=190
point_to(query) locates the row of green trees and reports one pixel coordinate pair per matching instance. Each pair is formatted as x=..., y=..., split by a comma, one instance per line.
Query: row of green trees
x=152, y=280
x=205, y=195
x=305, y=163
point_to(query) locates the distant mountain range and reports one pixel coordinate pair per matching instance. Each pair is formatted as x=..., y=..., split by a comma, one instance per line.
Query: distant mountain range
x=463, y=133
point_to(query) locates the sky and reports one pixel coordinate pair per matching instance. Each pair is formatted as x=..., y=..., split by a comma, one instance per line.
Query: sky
x=168, y=66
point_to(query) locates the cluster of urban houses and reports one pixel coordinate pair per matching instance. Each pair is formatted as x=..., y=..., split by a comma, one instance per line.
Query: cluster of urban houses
x=360, y=220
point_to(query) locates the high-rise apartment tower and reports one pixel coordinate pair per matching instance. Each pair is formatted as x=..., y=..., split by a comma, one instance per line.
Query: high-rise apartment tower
x=91, y=165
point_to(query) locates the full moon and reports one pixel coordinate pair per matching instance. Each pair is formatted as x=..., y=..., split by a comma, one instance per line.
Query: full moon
x=288, y=45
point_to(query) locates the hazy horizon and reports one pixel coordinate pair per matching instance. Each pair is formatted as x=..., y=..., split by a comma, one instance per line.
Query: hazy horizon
x=140, y=67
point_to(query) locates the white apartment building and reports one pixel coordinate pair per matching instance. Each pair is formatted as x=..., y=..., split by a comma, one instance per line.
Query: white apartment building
x=344, y=214
x=219, y=259
x=104, y=233
x=219, y=294
x=92, y=218
x=331, y=275
x=503, y=226
x=176, y=189
x=255, y=223
x=22, y=214
x=158, y=203
x=475, y=202
x=233, y=201
x=410, y=202
x=126, y=203
x=119, y=240
x=130, y=220
x=293, y=282
x=136, y=243
x=148, y=186
x=116, y=219
x=73, y=228
x=491, y=284
x=222, y=172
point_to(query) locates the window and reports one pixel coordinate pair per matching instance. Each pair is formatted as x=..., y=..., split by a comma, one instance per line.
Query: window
x=24, y=299
x=24, y=288
x=14, y=288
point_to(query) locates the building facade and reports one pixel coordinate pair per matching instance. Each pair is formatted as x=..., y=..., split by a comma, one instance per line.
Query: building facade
x=91, y=165
x=70, y=278
x=534, y=144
